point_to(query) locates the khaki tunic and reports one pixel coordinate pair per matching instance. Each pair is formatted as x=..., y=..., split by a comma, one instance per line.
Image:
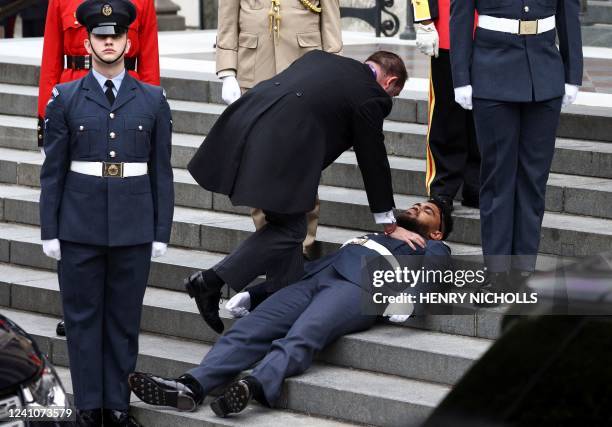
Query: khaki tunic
x=247, y=44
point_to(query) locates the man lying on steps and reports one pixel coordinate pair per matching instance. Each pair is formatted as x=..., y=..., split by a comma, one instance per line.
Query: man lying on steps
x=285, y=330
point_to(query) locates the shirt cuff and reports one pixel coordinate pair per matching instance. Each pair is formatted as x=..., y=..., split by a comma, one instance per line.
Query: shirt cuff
x=226, y=73
x=384, y=217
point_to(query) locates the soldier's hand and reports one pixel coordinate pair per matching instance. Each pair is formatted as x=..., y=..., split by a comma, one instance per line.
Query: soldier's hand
x=230, y=91
x=409, y=237
x=463, y=96
x=51, y=248
x=158, y=249
x=571, y=92
x=427, y=39
x=239, y=304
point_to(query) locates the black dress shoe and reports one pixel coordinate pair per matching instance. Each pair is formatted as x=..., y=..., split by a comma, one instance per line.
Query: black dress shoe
x=116, y=418
x=235, y=398
x=207, y=299
x=60, y=330
x=495, y=284
x=89, y=418
x=177, y=393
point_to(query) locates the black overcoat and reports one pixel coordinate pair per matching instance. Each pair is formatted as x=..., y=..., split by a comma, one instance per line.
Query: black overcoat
x=268, y=149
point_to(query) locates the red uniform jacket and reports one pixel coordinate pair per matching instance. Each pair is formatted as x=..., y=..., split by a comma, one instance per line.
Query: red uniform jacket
x=64, y=36
x=439, y=12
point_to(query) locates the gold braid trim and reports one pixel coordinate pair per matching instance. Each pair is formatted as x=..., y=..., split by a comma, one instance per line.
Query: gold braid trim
x=308, y=5
x=274, y=18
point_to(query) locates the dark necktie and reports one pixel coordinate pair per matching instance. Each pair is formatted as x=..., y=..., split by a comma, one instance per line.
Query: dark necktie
x=109, y=92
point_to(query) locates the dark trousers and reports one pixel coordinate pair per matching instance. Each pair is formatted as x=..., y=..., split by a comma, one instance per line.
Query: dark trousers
x=102, y=289
x=453, y=158
x=517, y=142
x=274, y=250
x=286, y=330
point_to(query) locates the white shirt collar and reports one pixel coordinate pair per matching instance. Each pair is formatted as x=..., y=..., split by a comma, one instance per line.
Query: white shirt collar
x=117, y=80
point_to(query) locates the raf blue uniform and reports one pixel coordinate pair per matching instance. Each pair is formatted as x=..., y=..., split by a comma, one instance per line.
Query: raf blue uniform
x=518, y=82
x=105, y=224
x=286, y=329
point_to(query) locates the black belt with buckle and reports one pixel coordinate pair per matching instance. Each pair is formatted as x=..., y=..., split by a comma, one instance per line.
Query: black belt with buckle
x=112, y=170
x=84, y=62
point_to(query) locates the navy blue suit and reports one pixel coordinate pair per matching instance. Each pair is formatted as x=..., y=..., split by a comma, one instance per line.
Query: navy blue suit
x=105, y=225
x=287, y=329
x=518, y=82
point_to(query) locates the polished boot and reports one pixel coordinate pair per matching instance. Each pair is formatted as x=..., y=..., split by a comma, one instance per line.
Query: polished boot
x=117, y=418
x=184, y=393
x=60, y=329
x=234, y=399
x=207, y=299
x=89, y=417
x=495, y=283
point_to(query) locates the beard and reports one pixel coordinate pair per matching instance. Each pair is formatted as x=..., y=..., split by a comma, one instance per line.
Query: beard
x=411, y=224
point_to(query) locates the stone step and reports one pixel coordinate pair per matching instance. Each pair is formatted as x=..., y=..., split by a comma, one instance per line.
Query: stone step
x=565, y=193
x=598, y=12
x=197, y=117
x=598, y=35
x=562, y=234
x=329, y=391
x=41, y=328
x=410, y=353
x=574, y=157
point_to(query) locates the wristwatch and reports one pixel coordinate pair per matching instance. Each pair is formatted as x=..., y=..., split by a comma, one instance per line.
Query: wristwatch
x=390, y=228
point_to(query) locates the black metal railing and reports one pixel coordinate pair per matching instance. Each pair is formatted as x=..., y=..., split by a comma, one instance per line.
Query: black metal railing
x=388, y=25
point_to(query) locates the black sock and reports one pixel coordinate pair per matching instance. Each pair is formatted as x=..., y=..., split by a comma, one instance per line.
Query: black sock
x=257, y=390
x=212, y=279
x=194, y=385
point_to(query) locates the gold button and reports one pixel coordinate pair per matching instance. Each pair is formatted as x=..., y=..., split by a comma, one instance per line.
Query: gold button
x=275, y=28
x=139, y=127
x=276, y=8
x=81, y=127
x=112, y=154
x=112, y=115
x=39, y=128
x=76, y=22
x=112, y=135
x=526, y=9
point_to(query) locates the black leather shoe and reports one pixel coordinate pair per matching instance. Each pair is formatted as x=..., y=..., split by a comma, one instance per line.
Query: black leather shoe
x=160, y=391
x=116, y=418
x=235, y=398
x=207, y=299
x=471, y=202
x=61, y=329
x=89, y=418
x=495, y=284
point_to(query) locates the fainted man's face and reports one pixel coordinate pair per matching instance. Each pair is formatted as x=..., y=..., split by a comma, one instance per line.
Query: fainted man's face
x=422, y=218
x=107, y=48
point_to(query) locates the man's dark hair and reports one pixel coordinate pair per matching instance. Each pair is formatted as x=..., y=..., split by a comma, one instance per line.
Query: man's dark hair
x=446, y=219
x=391, y=64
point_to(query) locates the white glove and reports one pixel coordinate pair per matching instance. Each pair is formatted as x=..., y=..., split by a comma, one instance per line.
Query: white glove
x=42, y=151
x=399, y=318
x=51, y=248
x=239, y=304
x=571, y=92
x=230, y=91
x=427, y=39
x=158, y=249
x=463, y=96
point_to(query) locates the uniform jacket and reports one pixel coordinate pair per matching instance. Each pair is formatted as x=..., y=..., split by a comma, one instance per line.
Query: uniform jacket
x=514, y=68
x=268, y=148
x=245, y=42
x=107, y=211
x=347, y=261
x=356, y=264
x=64, y=36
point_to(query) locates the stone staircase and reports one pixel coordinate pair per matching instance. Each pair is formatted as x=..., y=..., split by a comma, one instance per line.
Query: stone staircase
x=391, y=375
